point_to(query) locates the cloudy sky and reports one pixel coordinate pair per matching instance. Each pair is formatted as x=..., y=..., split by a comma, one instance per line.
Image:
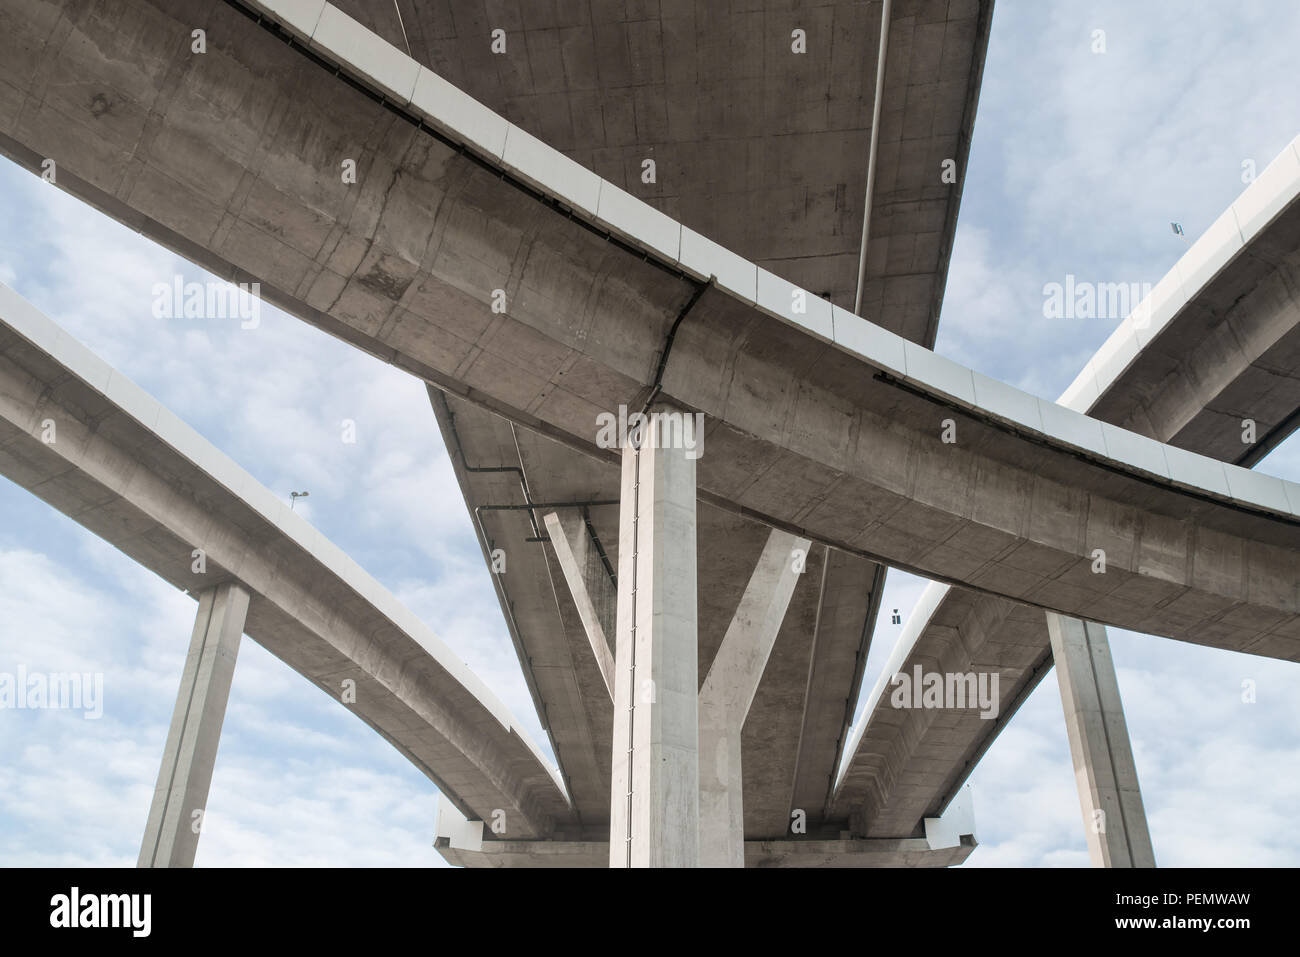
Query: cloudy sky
x=1080, y=161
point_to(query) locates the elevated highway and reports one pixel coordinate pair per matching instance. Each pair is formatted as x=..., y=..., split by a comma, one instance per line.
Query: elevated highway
x=1216, y=342
x=820, y=423
x=851, y=456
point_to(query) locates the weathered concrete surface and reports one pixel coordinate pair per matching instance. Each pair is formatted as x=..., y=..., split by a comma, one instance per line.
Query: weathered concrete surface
x=758, y=148
x=1114, y=819
x=799, y=490
x=1232, y=336
x=728, y=691
x=780, y=181
x=405, y=265
x=654, y=814
x=134, y=474
x=171, y=833
x=887, y=852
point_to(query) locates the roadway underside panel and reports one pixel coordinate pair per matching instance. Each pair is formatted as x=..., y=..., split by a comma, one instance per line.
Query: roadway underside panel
x=760, y=148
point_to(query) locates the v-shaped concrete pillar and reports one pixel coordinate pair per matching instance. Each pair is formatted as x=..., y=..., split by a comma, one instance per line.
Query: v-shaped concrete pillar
x=171, y=836
x=729, y=690
x=1113, y=816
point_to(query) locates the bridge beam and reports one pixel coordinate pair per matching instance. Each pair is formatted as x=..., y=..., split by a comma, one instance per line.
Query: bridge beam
x=1113, y=816
x=171, y=836
x=654, y=796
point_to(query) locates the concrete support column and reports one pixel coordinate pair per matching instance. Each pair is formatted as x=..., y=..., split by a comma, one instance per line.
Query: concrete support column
x=729, y=690
x=654, y=800
x=171, y=836
x=1114, y=820
x=722, y=806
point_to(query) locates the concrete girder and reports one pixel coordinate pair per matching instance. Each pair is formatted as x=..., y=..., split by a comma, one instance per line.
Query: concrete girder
x=725, y=173
x=949, y=840
x=1211, y=347
x=491, y=458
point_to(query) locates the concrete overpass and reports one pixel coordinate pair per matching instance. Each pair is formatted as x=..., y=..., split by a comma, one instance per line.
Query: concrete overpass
x=405, y=266
x=820, y=424
x=83, y=438
x=927, y=107
x=782, y=182
x=1215, y=343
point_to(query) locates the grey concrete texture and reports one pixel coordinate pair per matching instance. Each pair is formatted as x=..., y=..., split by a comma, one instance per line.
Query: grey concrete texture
x=405, y=264
x=171, y=833
x=1110, y=799
x=1179, y=387
x=654, y=817
x=758, y=148
x=909, y=762
x=728, y=691
x=131, y=484
x=573, y=550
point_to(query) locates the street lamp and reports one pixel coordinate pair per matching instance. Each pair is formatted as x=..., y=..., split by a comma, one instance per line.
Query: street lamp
x=294, y=496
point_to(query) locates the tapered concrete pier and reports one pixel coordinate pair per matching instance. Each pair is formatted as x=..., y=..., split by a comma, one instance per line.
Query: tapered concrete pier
x=1113, y=816
x=171, y=836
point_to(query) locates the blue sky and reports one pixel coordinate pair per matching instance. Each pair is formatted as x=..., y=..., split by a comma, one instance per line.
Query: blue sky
x=1079, y=163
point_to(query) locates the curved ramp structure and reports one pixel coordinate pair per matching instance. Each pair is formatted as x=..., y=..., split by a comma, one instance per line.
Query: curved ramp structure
x=1216, y=336
x=131, y=472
